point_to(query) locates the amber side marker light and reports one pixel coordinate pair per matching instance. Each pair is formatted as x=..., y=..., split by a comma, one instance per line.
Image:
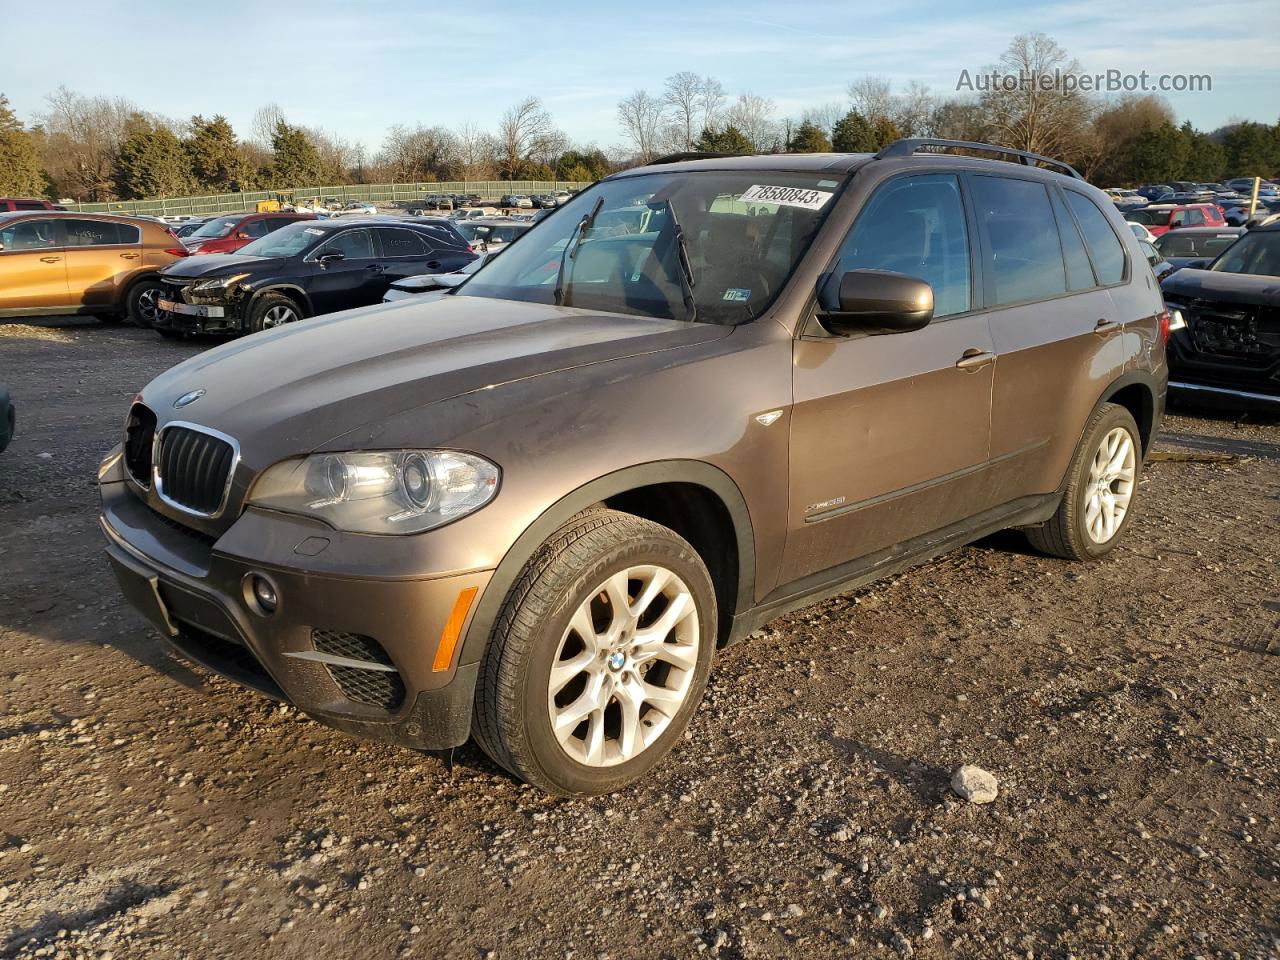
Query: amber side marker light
x=453, y=629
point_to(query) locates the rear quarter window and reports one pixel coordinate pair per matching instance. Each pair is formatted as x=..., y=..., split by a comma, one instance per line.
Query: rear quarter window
x=1104, y=246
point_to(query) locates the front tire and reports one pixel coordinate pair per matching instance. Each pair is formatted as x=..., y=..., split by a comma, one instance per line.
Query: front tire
x=142, y=304
x=271, y=310
x=1102, y=490
x=599, y=656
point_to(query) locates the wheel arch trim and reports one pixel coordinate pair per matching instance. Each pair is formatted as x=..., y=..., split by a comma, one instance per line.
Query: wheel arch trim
x=291, y=290
x=694, y=472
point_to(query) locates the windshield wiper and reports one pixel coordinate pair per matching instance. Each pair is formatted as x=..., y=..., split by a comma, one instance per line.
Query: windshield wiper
x=686, y=268
x=571, y=248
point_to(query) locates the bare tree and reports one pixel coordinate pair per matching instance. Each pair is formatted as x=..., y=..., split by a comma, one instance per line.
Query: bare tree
x=476, y=151
x=520, y=134
x=914, y=110
x=753, y=115
x=825, y=116
x=682, y=96
x=872, y=97
x=82, y=137
x=420, y=153
x=711, y=99
x=1027, y=111
x=641, y=118
x=266, y=119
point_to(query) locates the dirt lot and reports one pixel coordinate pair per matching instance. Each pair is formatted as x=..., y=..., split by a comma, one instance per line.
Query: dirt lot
x=1129, y=710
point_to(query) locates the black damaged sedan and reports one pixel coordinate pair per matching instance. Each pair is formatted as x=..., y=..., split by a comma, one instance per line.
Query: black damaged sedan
x=1225, y=324
x=301, y=270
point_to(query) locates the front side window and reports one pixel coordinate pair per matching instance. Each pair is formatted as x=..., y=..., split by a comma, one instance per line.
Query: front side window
x=1104, y=246
x=255, y=229
x=1256, y=253
x=352, y=244
x=674, y=245
x=1024, y=256
x=29, y=235
x=915, y=226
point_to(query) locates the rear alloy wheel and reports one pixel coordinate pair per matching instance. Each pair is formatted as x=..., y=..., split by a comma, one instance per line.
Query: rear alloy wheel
x=599, y=656
x=1102, y=487
x=143, y=304
x=272, y=310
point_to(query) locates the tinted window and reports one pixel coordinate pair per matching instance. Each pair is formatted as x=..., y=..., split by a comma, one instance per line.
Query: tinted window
x=1255, y=252
x=1024, y=256
x=97, y=233
x=1079, y=273
x=29, y=235
x=254, y=228
x=28, y=205
x=915, y=226
x=402, y=243
x=354, y=244
x=275, y=223
x=1104, y=247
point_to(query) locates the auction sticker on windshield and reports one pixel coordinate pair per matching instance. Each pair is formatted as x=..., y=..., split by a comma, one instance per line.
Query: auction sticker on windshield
x=313, y=231
x=786, y=196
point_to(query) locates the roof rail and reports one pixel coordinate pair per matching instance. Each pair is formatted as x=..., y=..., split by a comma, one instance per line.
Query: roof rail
x=907, y=147
x=690, y=155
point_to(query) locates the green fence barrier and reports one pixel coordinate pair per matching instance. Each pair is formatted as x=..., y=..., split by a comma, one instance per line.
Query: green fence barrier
x=371, y=192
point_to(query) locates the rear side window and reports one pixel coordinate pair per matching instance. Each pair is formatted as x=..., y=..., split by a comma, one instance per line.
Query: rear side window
x=28, y=205
x=1104, y=247
x=1079, y=272
x=99, y=233
x=915, y=226
x=1024, y=255
x=402, y=243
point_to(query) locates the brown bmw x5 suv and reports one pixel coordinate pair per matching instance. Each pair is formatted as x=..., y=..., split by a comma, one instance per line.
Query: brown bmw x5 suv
x=703, y=394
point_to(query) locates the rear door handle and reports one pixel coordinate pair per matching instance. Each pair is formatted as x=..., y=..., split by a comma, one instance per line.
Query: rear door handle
x=974, y=359
x=129, y=256
x=1105, y=326
x=50, y=259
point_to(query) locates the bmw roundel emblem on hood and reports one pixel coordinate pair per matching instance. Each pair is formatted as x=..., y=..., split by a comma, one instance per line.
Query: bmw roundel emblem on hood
x=188, y=398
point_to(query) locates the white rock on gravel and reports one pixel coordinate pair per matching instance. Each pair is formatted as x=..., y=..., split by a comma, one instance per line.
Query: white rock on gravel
x=974, y=784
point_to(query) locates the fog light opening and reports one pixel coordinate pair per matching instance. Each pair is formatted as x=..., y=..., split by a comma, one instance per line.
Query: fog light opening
x=261, y=595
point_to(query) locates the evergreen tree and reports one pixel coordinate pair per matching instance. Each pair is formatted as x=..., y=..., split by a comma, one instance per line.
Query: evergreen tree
x=809, y=138
x=296, y=161
x=852, y=134
x=728, y=140
x=20, y=173
x=1252, y=150
x=886, y=132
x=151, y=163
x=217, y=163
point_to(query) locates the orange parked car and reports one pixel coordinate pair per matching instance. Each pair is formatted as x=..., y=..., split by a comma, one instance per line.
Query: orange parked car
x=96, y=263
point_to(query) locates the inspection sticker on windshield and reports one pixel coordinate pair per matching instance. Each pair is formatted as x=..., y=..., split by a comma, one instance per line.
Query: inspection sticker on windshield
x=736, y=294
x=786, y=196
x=313, y=231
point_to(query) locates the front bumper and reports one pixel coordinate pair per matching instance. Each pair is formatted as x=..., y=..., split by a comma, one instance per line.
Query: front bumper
x=231, y=320
x=196, y=596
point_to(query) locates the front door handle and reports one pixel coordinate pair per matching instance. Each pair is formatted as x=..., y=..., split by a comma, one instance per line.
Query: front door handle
x=375, y=267
x=433, y=264
x=1105, y=326
x=50, y=259
x=974, y=359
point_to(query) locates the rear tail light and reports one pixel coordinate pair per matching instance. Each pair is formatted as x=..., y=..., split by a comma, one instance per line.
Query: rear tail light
x=177, y=251
x=1164, y=327
x=470, y=249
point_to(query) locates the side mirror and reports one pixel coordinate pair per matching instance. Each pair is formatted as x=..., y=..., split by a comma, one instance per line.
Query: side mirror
x=332, y=257
x=878, y=301
x=243, y=236
x=1, y=248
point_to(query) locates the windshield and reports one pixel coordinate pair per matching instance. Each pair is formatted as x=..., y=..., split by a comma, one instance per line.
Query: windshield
x=1149, y=218
x=1256, y=253
x=288, y=241
x=1194, y=245
x=217, y=228
x=743, y=235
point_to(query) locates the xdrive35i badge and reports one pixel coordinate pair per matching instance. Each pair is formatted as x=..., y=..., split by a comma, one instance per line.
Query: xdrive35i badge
x=188, y=398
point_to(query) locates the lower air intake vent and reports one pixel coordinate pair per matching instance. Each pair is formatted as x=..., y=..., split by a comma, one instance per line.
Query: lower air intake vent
x=374, y=684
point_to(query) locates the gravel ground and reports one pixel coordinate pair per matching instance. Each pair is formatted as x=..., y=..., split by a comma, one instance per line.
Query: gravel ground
x=1128, y=710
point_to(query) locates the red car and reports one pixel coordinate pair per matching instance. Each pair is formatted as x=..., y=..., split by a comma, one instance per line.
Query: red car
x=227, y=234
x=1165, y=217
x=9, y=204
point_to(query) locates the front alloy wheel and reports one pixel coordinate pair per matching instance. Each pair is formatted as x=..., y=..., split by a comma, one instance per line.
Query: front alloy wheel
x=278, y=316
x=624, y=666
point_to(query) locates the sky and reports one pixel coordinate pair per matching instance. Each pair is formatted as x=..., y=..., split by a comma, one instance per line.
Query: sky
x=356, y=69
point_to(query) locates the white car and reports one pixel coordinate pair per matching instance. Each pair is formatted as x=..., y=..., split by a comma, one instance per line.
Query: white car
x=357, y=208
x=523, y=202
x=1141, y=232
x=413, y=288
x=562, y=197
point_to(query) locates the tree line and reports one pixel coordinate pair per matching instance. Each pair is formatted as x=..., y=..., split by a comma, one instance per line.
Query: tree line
x=99, y=148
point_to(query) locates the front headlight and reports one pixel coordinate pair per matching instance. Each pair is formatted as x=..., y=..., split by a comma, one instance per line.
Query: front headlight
x=391, y=491
x=218, y=284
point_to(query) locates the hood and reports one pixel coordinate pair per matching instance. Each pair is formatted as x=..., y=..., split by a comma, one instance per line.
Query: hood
x=226, y=263
x=287, y=391
x=1246, y=288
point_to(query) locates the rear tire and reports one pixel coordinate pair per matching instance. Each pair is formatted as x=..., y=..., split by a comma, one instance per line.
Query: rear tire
x=109, y=319
x=1102, y=490
x=271, y=310
x=141, y=303
x=613, y=620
